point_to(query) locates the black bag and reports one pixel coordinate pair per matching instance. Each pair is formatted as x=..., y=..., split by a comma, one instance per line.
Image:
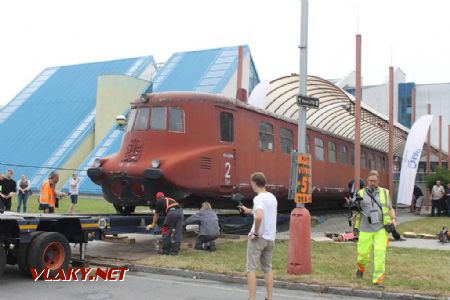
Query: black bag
x=390, y=228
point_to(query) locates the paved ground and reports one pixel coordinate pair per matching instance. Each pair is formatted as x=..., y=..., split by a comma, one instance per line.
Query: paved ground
x=139, y=286
x=331, y=223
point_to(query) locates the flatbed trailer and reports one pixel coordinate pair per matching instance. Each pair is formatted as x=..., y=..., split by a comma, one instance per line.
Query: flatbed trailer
x=39, y=241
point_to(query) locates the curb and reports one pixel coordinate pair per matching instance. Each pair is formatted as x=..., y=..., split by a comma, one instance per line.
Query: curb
x=301, y=286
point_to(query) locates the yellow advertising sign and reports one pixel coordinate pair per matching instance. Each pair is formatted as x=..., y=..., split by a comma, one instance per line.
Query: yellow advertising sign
x=304, y=179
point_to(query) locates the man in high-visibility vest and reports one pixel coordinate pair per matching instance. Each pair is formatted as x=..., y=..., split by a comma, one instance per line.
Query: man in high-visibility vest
x=173, y=220
x=47, y=197
x=375, y=215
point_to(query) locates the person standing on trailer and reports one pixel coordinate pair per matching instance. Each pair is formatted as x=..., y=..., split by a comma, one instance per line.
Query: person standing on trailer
x=73, y=191
x=173, y=220
x=8, y=188
x=208, y=227
x=47, y=198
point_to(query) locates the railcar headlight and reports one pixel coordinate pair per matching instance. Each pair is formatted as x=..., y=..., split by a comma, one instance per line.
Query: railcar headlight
x=97, y=163
x=156, y=163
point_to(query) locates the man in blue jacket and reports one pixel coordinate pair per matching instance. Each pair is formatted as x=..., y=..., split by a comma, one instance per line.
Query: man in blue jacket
x=209, y=227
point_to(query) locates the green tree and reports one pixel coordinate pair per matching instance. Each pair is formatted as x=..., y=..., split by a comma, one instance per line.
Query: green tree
x=441, y=174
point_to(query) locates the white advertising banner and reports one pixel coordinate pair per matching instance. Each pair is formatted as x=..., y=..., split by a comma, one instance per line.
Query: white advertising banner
x=411, y=158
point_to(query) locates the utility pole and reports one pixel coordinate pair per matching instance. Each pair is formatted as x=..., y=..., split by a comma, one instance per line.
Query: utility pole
x=299, y=255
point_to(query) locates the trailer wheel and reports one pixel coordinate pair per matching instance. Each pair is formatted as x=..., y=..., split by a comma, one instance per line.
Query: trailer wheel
x=2, y=259
x=22, y=255
x=124, y=210
x=50, y=250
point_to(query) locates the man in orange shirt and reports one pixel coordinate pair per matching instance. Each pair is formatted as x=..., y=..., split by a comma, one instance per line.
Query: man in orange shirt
x=47, y=199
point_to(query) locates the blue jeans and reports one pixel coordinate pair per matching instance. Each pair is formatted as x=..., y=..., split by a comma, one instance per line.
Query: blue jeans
x=22, y=199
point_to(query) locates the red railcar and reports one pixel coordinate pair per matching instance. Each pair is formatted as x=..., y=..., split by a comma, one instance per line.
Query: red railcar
x=196, y=147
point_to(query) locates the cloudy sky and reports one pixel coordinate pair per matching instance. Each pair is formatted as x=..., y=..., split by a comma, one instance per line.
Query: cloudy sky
x=410, y=34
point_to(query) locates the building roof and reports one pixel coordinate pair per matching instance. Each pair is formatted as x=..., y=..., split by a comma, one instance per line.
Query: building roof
x=54, y=113
x=199, y=71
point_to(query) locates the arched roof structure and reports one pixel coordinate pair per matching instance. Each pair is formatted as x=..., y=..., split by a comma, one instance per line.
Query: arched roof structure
x=335, y=114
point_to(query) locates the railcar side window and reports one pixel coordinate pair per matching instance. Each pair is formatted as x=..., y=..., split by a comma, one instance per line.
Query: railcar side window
x=131, y=119
x=344, y=158
x=332, y=152
x=176, y=119
x=318, y=145
x=307, y=144
x=371, y=161
x=378, y=162
x=352, y=155
x=265, y=136
x=158, y=119
x=226, y=127
x=363, y=159
x=383, y=163
x=286, y=140
x=141, y=122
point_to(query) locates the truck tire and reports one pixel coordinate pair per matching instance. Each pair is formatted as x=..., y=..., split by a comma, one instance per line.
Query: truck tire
x=2, y=260
x=22, y=255
x=49, y=250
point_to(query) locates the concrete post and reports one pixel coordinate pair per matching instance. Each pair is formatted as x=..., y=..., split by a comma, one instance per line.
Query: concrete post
x=358, y=96
x=428, y=166
x=391, y=134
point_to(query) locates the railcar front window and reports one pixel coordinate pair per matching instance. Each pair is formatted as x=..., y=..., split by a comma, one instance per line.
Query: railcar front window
x=226, y=127
x=265, y=137
x=176, y=119
x=131, y=119
x=158, y=118
x=141, y=122
x=286, y=140
x=318, y=145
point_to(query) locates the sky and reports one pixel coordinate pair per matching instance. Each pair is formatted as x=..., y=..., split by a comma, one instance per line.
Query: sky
x=409, y=34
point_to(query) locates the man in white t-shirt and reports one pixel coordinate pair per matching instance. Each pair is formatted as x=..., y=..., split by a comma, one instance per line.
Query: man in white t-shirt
x=262, y=235
x=437, y=198
x=73, y=192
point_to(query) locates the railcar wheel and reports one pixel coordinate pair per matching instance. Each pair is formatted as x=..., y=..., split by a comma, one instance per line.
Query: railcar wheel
x=50, y=250
x=124, y=210
x=22, y=256
x=2, y=259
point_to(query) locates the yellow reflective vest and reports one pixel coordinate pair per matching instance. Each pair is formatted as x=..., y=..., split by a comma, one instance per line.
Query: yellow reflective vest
x=384, y=199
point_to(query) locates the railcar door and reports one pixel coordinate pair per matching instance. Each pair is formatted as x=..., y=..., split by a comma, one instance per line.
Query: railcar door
x=227, y=155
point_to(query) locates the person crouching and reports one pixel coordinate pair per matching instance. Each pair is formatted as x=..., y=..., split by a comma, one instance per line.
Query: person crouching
x=209, y=229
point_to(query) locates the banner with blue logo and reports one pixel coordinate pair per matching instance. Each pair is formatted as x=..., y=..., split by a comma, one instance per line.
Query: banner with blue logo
x=411, y=158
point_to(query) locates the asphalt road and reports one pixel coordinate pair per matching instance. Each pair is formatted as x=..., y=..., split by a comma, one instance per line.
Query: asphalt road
x=138, y=286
